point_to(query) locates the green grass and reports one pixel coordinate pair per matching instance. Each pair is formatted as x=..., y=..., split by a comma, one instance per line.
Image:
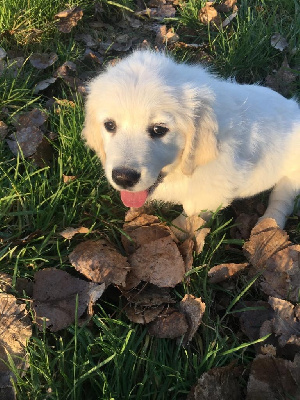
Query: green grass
x=111, y=358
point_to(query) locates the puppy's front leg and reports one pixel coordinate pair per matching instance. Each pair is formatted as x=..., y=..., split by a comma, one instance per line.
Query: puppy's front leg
x=281, y=202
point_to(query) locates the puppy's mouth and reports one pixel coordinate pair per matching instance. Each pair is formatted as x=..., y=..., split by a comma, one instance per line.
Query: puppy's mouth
x=138, y=199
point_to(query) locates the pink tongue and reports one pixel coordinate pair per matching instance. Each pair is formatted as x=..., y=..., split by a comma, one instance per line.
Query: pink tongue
x=134, y=199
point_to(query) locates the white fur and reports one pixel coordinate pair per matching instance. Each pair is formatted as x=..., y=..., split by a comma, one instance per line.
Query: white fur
x=225, y=140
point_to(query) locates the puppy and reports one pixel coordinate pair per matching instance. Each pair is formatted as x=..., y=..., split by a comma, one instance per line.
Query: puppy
x=176, y=133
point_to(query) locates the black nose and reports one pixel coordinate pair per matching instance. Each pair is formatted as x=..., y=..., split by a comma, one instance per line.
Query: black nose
x=125, y=177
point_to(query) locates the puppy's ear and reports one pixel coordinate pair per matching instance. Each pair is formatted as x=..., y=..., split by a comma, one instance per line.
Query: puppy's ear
x=201, y=144
x=91, y=132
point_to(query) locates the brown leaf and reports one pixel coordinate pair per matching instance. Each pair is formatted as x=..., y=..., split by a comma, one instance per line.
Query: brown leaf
x=279, y=42
x=7, y=391
x=3, y=130
x=87, y=39
x=169, y=324
x=165, y=36
x=44, y=84
x=226, y=6
x=190, y=228
x=15, y=331
x=26, y=140
x=209, y=15
x=149, y=296
x=283, y=81
x=65, y=69
x=68, y=19
x=54, y=298
x=99, y=261
x=218, y=384
x=186, y=251
x=266, y=239
x=42, y=60
x=142, y=315
x=193, y=308
x=35, y=117
x=222, y=272
x=270, y=252
x=68, y=233
x=286, y=323
x=142, y=235
x=158, y=262
x=243, y=226
x=68, y=178
x=274, y=379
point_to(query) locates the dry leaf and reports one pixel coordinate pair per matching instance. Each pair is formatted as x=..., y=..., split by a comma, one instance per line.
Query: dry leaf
x=142, y=235
x=44, y=84
x=266, y=239
x=186, y=251
x=209, y=15
x=222, y=272
x=243, y=226
x=2, y=53
x=279, y=42
x=283, y=81
x=271, y=253
x=169, y=324
x=7, y=391
x=68, y=233
x=99, y=261
x=142, y=315
x=5, y=282
x=54, y=298
x=15, y=331
x=68, y=178
x=25, y=140
x=42, y=60
x=158, y=262
x=87, y=39
x=65, y=69
x=190, y=227
x=68, y=19
x=218, y=384
x=226, y=6
x=3, y=130
x=286, y=322
x=274, y=379
x=165, y=36
x=149, y=296
x=193, y=308
x=35, y=117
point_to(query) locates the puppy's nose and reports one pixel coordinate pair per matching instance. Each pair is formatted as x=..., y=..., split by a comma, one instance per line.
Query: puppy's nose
x=125, y=177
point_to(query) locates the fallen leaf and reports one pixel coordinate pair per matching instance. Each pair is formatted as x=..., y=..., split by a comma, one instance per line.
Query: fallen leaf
x=68, y=233
x=68, y=178
x=5, y=282
x=68, y=19
x=186, y=251
x=2, y=53
x=228, y=19
x=165, y=36
x=193, y=308
x=25, y=140
x=15, y=332
x=226, y=6
x=65, y=69
x=169, y=324
x=209, y=15
x=149, y=296
x=35, y=117
x=43, y=60
x=141, y=235
x=279, y=42
x=268, y=350
x=218, y=384
x=243, y=226
x=122, y=43
x=271, y=253
x=54, y=298
x=274, y=378
x=190, y=227
x=158, y=262
x=143, y=315
x=93, y=55
x=87, y=39
x=266, y=239
x=283, y=81
x=222, y=272
x=286, y=322
x=44, y=84
x=3, y=130
x=99, y=261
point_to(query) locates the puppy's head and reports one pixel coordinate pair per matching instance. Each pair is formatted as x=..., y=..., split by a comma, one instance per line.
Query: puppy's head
x=142, y=121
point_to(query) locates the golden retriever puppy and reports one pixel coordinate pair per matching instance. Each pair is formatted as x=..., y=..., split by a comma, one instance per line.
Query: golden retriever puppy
x=176, y=133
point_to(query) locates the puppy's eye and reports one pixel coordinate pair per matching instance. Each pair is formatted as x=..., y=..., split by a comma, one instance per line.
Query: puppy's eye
x=157, y=131
x=110, y=126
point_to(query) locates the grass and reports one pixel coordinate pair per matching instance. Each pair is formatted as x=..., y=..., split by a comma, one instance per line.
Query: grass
x=111, y=358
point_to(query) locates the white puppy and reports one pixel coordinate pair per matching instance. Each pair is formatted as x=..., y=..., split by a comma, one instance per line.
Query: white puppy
x=176, y=133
